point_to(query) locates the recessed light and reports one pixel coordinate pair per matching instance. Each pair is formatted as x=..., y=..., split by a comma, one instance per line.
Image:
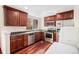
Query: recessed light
x=26, y=7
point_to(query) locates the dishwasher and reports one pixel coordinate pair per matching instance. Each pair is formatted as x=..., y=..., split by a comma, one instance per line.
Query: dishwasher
x=31, y=38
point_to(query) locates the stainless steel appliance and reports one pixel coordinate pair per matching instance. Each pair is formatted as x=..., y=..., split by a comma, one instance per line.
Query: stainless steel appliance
x=31, y=38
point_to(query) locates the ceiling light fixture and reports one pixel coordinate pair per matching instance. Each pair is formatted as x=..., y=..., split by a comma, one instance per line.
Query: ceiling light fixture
x=26, y=7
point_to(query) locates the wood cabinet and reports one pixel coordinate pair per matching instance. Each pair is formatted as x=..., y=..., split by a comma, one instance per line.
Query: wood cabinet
x=39, y=36
x=42, y=36
x=14, y=17
x=0, y=51
x=25, y=40
x=54, y=37
x=11, y=17
x=50, y=20
x=18, y=42
x=65, y=15
x=23, y=19
x=13, y=44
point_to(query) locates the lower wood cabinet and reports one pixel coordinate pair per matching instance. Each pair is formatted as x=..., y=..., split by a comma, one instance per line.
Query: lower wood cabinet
x=39, y=36
x=13, y=44
x=0, y=51
x=18, y=42
x=54, y=36
x=25, y=40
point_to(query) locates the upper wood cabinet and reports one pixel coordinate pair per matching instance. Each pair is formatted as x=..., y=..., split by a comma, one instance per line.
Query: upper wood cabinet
x=14, y=17
x=11, y=17
x=50, y=20
x=65, y=15
x=23, y=19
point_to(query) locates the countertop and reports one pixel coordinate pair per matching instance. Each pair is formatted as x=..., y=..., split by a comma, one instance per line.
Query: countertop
x=26, y=32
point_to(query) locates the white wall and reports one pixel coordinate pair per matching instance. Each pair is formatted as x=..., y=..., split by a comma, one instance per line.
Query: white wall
x=68, y=23
x=76, y=16
x=1, y=21
x=1, y=16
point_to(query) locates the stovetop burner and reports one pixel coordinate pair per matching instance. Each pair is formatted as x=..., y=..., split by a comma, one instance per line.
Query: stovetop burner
x=51, y=31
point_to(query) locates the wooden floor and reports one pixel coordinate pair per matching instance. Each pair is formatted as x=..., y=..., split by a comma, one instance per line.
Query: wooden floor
x=37, y=48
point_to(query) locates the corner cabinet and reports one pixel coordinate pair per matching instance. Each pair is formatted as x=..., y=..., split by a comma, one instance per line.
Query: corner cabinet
x=39, y=36
x=14, y=17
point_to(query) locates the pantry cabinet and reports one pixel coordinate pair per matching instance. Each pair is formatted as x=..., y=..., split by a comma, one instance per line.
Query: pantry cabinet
x=14, y=17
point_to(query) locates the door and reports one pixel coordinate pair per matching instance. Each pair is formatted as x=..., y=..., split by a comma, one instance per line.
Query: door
x=23, y=18
x=11, y=17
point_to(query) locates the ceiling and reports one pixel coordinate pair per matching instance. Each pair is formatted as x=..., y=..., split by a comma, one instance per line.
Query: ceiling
x=43, y=10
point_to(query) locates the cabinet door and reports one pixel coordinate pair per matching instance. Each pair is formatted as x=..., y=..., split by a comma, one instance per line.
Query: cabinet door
x=0, y=51
x=20, y=42
x=54, y=37
x=68, y=15
x=25, y=40
x=37, y=36
x=23, y=18
x=16, y=43
x=65, y=15
x=60, y=16
x=11, y=17
x=13, y=44
x=50, y=20
x=42, y=36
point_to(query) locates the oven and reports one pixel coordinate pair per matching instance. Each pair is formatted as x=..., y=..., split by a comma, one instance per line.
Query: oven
x=49, y=36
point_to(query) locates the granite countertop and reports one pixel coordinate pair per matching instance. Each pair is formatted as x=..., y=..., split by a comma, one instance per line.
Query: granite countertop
x=25, y=32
